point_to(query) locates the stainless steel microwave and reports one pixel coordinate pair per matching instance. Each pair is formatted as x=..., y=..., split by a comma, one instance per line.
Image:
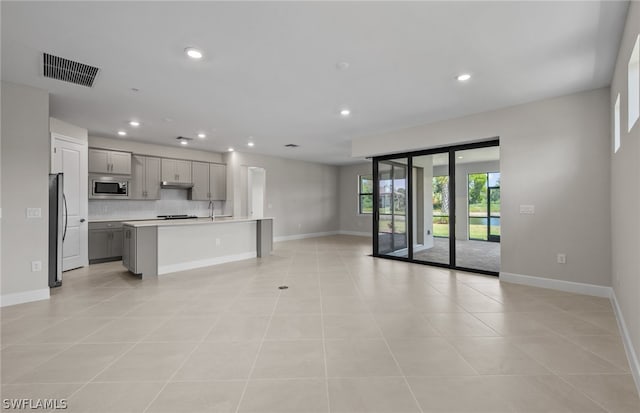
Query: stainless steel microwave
x=107, y=187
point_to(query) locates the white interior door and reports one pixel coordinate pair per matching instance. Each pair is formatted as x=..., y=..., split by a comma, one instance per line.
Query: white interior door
x=70, y=157
x=256, y=185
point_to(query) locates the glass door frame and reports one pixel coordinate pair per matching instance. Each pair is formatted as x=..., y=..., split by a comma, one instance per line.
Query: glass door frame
x=491, y=237
x=451, y=150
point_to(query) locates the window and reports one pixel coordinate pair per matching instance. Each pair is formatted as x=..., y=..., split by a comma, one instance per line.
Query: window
x=365, y=194
x=441, y=206
x=616, y=125
x=484, y=206
x=634, y=84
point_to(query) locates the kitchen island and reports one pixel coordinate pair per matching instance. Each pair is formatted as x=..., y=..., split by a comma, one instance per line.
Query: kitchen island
x=159, y=247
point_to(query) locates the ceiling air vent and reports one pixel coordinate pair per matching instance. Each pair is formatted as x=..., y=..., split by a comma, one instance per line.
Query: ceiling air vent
x=59, y=68
x=291, y=145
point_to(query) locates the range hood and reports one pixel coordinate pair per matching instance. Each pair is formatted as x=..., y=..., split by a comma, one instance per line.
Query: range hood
x=176, y=185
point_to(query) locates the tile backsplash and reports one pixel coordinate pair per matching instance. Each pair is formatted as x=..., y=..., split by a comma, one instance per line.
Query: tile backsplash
x=172, y=202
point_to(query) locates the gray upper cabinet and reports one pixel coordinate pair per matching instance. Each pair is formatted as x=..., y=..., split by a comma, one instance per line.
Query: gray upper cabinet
x=102, y=161
x=176, y=170
x=218, y=181
x=200, y=190
x=209, y=182
x=145, y=178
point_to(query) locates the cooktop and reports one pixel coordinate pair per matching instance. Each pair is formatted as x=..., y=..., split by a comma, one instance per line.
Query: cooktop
x=177, y=216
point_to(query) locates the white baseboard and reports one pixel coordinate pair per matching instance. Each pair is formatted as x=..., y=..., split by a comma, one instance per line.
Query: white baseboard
x=560, y=285
x=632, y=356
x=24, y=297
x=166, y=269
x=303, y=236
x=355, y=233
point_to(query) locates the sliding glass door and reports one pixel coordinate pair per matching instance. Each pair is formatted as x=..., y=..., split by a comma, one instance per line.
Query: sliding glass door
x=393, y=237
x=440, y=207
x=431, y=208
x=478, y=209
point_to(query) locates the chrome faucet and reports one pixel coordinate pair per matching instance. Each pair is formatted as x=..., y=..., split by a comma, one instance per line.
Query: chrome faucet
x=211, y=206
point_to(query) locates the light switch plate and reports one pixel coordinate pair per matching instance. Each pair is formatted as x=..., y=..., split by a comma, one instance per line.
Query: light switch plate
x=562, y=258
x=36, y=266
x=527, y=209
x=34, y=212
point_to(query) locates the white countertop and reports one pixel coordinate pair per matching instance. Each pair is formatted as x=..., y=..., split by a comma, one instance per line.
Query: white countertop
x=198, y=221
x=141, y=219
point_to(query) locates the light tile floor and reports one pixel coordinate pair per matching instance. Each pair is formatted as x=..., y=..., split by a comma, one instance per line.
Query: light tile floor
x=351, y=334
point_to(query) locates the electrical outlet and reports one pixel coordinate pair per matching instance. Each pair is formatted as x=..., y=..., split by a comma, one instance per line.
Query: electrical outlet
x=218, y=242
x=269, y=205
x=34, y=212
x=299, y=226
x=528, y=209
x=562, y=258
x=36, y=266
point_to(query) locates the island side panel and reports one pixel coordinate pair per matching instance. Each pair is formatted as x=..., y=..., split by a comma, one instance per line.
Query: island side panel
x=265, y=237
x=147, y=251
x=183, y=247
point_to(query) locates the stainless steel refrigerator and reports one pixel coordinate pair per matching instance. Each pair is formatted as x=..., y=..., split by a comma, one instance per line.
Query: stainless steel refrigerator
x=57, y=227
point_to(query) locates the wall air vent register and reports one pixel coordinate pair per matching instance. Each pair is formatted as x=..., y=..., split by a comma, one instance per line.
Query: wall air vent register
x=59, y=68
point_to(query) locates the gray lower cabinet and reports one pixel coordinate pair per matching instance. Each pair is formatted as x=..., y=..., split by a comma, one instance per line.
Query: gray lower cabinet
x=209, y=182
x=105, y=241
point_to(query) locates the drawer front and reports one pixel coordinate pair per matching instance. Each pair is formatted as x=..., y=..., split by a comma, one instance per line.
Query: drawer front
x=105, y=225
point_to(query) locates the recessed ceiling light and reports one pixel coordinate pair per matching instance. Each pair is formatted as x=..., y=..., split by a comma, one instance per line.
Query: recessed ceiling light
x=464, y=77
x=122, y=133
x=342, y=65
x=251, y=144
x=134, y=123
x=230, y=149
x=202, y=135
x=460, y=157
x=345, y=112
x=193, y=53
x=135, y=89
x=183, y=142
x=168, y=120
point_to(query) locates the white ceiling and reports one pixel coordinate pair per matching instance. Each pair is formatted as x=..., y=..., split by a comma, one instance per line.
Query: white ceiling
x=269, y=69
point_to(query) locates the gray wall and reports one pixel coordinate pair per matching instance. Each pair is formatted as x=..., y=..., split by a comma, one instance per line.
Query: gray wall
x=67, y=129
x=349, y=219
x=25, y=172
x=302, y=197
x=554, y=155
x=625, y=194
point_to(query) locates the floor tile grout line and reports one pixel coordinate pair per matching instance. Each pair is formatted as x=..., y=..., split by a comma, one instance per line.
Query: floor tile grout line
x=584, y=394
x=568, y=338
x=133, y=345
x=384, y=339
x=266, y=331
x=184, y=361
x=324, y=344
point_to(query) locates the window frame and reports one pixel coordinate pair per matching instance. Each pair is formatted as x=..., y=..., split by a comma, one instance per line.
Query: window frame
x=361, y=194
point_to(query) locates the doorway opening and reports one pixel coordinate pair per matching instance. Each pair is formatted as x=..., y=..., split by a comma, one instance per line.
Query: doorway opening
x=440, y=207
